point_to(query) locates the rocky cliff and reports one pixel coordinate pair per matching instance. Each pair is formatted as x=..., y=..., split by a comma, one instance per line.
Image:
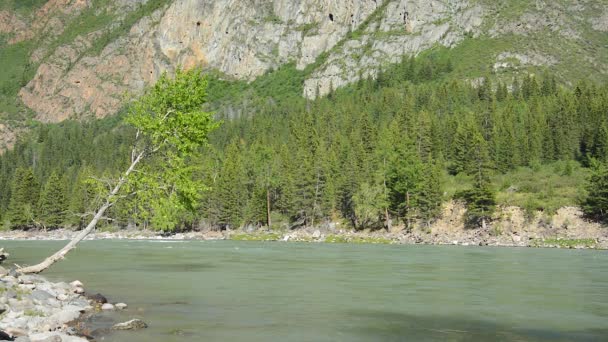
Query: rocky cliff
x=88, y=54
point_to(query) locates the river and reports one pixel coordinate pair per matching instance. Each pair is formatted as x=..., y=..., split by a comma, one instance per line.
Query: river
x=255, y=291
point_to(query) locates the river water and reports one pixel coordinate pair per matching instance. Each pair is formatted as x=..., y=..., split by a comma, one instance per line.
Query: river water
x=254, y=291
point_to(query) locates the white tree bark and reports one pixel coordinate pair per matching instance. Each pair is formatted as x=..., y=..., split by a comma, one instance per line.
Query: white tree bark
x=108, y=203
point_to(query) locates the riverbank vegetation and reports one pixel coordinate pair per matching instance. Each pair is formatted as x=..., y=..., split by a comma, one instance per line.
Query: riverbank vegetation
x=382, y=152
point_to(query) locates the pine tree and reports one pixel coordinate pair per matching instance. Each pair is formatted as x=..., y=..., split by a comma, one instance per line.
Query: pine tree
x=430, y=192
x=481, y=199
x=600, y=150
x=595, y=204
x=231, y=187
x=24, y=197
x=53, y=204
x=403, y=175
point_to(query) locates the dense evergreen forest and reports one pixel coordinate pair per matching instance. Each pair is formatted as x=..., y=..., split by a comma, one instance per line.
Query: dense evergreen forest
x=381, y=152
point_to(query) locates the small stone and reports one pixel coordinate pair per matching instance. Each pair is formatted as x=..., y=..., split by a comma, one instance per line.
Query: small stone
x=78, y=290
x=76, y=283
x=62, y=297
x=107, y=306
x=133, y=324
x=120, y=306
x=316, y=234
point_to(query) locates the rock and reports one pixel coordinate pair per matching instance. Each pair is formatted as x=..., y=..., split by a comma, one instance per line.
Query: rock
x=107, y=306
x=76, y=283
x=20, y=305
x=41, y=295
x=134, y=324
x=3, y=255
x=63, y=316
x=98, y=298
x=28, y=287
x=121, y=306
x=15, y=332
x=62, y=297
x=23, y=339
x=3, y=271
x=316, y=234
x=46, y=337
x=30, y=279
x=78, y=290
x=9, y=279
x=5, y=337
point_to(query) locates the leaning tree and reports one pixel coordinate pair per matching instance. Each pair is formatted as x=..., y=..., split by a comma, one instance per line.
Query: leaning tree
x=170, y=127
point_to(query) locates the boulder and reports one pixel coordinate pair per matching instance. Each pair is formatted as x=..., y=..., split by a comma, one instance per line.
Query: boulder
x=134, y=324
x=76, y=283
x=63, y=316
x=15, y=332
x=41, y=295
x=55, y=337
x=5, y=337
x=30, y=279
x=120, y=306
x=107, y=306
x=98, y=298
x=78, y=290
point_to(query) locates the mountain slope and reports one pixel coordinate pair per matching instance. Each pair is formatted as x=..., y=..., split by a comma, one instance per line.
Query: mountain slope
x=77, y=58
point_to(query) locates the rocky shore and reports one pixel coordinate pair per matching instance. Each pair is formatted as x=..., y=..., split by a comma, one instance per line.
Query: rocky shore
x=33, y=309
x=565, y=229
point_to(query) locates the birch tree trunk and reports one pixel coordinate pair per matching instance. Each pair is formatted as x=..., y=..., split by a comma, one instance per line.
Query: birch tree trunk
x=108, y=203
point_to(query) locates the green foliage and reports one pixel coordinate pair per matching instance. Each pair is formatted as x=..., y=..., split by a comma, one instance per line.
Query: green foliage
x=256, y=237
x=376, y=152
x=480, y=200
x=52, y=205
x=357, y=240
x=595, y=204
x=369, y=202
x=231, y=188
x=172, y=125
x=24, y=198
x=565, y=243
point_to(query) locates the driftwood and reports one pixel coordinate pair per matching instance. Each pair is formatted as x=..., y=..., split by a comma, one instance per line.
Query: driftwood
x=98, y=215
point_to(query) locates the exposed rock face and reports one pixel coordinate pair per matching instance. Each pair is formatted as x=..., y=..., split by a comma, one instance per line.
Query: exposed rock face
x=244, y=39
x=405, y=28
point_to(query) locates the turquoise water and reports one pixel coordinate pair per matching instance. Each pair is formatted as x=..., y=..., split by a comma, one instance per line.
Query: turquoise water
x=250, y=291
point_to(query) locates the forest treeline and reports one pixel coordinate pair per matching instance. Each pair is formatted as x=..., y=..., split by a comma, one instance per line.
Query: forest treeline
x=373, y=154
